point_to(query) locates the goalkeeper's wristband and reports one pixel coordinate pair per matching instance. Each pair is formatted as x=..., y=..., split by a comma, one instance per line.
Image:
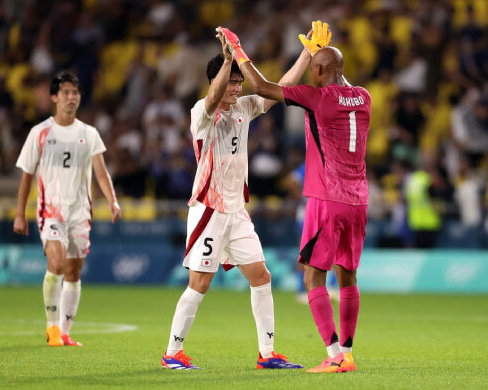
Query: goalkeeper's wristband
x=241, y=57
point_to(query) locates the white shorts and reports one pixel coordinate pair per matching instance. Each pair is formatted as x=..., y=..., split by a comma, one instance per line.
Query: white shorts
x=70, y=226
x=215, y=238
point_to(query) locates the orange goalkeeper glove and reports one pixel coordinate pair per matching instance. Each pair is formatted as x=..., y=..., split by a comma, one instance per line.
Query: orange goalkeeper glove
x=234, y=45
x=320, y=37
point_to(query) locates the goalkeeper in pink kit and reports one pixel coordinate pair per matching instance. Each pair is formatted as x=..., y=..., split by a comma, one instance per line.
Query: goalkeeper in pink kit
x=337, y=119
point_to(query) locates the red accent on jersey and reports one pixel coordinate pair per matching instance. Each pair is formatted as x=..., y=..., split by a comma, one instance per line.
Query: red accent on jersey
x=246, y=193
x=207, y=214
x=201, y=196
x=42, y=139
x=51, y=211
x=217, y=116
x=198, y=152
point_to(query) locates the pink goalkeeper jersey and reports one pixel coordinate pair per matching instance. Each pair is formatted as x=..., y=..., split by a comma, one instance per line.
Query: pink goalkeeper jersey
x=220, y=144
x=336, y=129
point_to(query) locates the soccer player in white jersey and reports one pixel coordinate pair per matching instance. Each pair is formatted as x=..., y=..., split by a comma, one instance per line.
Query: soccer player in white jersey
x=62, y=151
x=219, y=230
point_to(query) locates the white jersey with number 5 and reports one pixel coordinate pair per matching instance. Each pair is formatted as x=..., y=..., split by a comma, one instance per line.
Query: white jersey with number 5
x=62, y=156
x=220, y=144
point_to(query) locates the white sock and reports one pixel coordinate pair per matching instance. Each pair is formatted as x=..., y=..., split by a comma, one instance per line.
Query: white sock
x=263, y=311
x=345, y=350
x=184, y=315
x=333, y=350
x=70, y=297
x=51, y=291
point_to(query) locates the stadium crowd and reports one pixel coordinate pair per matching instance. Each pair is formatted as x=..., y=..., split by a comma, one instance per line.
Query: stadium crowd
x=425, y=63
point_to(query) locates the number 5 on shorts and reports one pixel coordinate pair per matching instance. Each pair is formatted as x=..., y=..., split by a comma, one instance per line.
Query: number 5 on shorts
x=206, y=242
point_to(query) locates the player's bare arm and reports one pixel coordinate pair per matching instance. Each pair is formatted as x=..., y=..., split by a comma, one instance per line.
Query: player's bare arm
x=260, y=85
x=105, y=183
x=219, y=84
x=272, y=91
x=21, y=225
x=293, y=75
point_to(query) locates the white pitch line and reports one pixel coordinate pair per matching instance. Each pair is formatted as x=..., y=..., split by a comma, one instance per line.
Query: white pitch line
x=96, y=327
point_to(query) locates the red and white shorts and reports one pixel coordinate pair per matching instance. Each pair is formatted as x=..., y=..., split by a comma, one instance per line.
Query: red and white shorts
x=333, y=232
x=215, y=238
x=70, y=225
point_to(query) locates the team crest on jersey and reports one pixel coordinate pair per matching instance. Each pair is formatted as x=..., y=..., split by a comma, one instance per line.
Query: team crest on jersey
x=207, y=262
x=240, y=120
x=81, y=141
x=54, y=233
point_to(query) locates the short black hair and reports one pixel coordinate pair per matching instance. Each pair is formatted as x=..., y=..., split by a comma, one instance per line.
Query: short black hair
x=215, y=64
x=63, y=77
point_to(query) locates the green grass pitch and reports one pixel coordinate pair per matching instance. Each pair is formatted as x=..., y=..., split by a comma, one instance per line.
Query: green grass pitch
x=402, y=342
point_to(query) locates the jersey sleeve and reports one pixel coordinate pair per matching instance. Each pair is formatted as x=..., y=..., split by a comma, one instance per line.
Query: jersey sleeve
x=97, y=144
x=367, y=96
x=30, y=153
x=253, y=105
x=200, y=120
x=304, y=96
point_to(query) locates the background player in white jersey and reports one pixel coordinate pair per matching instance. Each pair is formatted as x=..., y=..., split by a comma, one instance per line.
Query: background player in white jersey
x=219, y=228
x=62, y=151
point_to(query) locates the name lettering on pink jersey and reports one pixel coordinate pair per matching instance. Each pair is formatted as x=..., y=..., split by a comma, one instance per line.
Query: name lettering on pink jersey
x=350, y=101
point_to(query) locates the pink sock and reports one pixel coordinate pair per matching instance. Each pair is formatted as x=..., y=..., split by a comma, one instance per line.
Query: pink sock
x=348, y=313
x=323, y=314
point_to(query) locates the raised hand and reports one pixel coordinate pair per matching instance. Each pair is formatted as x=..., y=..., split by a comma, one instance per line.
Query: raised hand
x=320, y=37
x=234, y=45
x=226, y=48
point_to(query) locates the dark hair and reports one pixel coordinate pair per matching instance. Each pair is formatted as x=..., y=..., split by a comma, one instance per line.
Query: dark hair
x=63, y=77
x=215, y=64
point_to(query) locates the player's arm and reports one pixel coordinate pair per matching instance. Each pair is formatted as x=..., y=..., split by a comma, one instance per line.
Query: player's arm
x=21, y=226
x=220, y=82
x=293, y=76
x=105, y=183
x=260, y=85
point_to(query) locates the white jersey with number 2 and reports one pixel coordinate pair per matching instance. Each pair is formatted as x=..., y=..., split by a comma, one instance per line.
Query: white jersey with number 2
x=62, y=156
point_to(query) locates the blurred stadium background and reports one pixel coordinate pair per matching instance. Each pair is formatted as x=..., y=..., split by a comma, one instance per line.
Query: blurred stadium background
x=142, y=67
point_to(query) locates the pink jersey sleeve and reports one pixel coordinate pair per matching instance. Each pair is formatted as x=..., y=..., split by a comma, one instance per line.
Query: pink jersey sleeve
x=304, y=96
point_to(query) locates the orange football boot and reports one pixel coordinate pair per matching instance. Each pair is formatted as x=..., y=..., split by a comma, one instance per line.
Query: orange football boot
x=337, y=364
x=53, y=336
x=351, y=366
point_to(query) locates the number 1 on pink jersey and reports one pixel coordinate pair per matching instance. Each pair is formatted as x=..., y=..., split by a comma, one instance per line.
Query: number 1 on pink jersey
x=352, y=131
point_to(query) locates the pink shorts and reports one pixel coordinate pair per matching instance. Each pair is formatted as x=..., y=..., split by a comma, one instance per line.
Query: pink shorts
x=333, y=232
